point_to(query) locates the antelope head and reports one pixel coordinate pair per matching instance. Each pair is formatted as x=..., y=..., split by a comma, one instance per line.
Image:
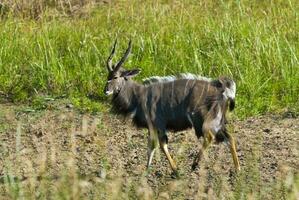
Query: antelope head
x=117, y=75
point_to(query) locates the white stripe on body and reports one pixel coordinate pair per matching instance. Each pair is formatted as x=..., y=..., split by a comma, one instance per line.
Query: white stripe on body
x=229, y=92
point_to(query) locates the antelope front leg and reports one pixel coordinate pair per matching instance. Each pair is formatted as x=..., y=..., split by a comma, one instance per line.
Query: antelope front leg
x=233, y=151
x=208, y=138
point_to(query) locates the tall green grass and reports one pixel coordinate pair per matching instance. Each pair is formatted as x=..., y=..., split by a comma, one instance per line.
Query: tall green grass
x=255, y=42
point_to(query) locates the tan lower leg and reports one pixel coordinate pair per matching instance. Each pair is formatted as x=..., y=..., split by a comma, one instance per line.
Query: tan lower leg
x=150, y=151
x=171, y=161
x=234, y=153
x=150, y=155
x=208, y=138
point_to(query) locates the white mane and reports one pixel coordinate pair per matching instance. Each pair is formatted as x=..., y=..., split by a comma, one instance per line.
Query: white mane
x=162, y=79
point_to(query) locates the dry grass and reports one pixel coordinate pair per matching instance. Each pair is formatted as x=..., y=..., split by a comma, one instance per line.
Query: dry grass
x=37, y=9
x=61, y=154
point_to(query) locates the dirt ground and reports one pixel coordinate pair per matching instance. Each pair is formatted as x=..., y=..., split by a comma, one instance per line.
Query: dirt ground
x=104, y=146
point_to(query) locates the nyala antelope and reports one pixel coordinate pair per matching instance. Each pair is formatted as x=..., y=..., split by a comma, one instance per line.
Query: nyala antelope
x=173, y=103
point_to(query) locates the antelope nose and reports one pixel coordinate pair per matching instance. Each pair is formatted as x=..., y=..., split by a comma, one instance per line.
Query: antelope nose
x=107, y=92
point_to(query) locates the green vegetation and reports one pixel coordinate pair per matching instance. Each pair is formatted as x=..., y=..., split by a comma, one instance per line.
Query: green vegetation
x=254, y=42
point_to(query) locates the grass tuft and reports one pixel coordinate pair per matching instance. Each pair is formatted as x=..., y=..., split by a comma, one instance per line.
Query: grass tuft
x=253, y=42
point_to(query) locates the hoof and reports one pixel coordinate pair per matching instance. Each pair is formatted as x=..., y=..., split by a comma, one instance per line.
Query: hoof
x=194, y=166
x=175, y=174
x=148, y=171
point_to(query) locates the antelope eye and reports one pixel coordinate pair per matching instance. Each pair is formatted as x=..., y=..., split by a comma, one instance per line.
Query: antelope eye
x=114, y=77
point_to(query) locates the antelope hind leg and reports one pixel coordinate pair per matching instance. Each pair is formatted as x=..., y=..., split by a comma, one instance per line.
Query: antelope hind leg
x=151, y=148
x=163, y=146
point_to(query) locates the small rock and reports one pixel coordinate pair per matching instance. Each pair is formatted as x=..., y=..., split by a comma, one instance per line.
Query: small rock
x=164, y=195
x=158, y=174
x=69, y=105
x=266, y=130
x=102, y=174
x=39, y=133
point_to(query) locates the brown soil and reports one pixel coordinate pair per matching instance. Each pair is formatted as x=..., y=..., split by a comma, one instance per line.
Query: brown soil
x=104, y=146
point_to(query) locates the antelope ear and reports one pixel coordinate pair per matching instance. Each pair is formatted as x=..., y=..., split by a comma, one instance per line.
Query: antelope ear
x=130, y=73
x=217, y=83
